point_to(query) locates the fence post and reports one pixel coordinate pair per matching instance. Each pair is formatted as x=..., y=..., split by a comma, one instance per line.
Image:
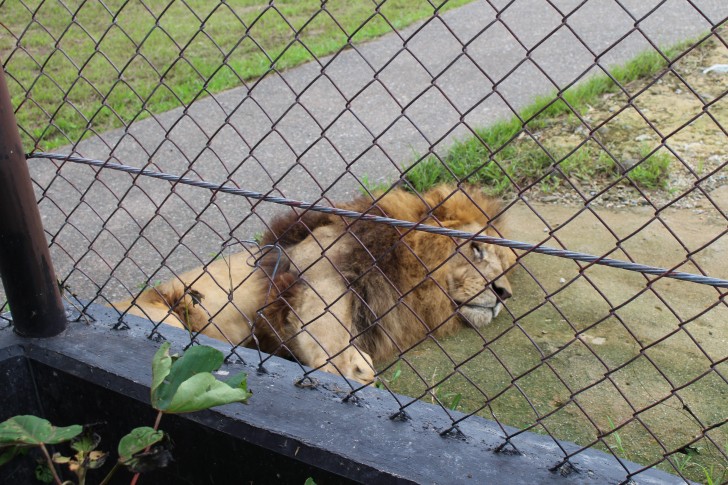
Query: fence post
x=25, y=262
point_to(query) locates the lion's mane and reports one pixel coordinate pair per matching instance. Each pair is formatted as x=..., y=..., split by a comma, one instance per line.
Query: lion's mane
x=398, y=297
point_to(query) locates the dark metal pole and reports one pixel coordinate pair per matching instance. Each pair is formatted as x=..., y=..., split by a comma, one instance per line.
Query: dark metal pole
x=25, y=262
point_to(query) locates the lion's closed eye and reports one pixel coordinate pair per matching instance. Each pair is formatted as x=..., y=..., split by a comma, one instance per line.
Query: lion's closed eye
x=477, y=251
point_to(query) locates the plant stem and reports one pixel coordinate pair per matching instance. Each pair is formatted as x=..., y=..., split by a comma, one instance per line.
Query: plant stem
x=156, y=423
x=135, y=478
x=107, y=478
x=50, y=464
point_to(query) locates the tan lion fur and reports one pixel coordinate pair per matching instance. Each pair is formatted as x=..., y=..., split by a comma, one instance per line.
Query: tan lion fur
x=383, y=289
x=351, y=292
x=197, y=300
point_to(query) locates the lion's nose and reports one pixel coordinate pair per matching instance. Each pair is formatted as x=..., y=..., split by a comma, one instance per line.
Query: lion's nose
x=502, y=289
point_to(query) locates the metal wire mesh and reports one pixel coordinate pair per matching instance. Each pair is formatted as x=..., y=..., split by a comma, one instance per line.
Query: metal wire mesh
x=206, y=93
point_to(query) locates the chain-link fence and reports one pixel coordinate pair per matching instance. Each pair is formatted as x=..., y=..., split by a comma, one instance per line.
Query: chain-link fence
x=170, y=135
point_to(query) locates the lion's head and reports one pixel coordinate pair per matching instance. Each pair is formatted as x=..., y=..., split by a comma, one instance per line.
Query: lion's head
x=472, y=272
x=408, y=283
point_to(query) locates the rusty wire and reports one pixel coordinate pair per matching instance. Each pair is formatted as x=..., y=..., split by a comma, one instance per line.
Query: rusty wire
x=443, y=231
x=154, y=227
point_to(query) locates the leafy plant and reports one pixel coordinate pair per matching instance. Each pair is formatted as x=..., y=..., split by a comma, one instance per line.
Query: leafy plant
x=369, y=186
x=185, y=384
x=179, y=385
x=652, y=171
x=381, y=383
x=450, y=399
x=617, y=439
x=682, y=461
x=714, y=473
x=258, y=237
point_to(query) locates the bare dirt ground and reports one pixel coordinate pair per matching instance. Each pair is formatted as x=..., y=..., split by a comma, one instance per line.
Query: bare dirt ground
x=653, y=358
x=686, y=108
x=585, y=352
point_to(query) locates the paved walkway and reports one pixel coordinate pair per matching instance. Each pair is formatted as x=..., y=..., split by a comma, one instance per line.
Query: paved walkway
x=311, y=131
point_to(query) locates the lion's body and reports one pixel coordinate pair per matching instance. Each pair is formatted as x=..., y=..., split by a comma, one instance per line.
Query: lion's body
x=197, y=297
x=357, y=291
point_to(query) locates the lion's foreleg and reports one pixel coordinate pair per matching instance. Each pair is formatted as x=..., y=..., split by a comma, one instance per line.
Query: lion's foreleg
x=322, y=337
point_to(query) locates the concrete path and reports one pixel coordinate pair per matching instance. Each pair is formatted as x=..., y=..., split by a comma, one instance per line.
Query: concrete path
x=316, y=129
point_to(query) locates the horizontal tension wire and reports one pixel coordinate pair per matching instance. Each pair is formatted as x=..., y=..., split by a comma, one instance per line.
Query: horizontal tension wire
x=588, y=258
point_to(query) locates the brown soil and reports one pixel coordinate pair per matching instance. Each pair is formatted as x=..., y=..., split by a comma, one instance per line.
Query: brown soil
x=653, y=360
x=580, y=352
x=686, y=108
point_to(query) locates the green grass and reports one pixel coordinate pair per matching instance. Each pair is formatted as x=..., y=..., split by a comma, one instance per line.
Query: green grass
x=87, y=67
x=652, y=172
x=536, y=375
x=368, y=186
x=498, y=158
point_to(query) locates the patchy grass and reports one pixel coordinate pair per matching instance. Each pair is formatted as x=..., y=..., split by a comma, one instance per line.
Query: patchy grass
x=513, y=154
x=652, y=172
x=367, y=186
x=79, y=68
x=535, y=374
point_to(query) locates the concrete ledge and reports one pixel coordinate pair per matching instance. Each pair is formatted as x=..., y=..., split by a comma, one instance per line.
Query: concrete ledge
x=314, y=428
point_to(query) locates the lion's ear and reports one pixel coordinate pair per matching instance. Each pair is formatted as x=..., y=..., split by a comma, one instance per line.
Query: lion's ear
x=435, y=198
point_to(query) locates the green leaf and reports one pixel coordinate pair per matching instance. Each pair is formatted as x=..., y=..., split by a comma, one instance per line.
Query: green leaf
x=157, y=457
x=86, y=443
x=96, y=459
x=60, y=459
x=32, y=430
x=203, y=391
x=196, y=360
x=43, y=473
x=396, y=375
x=238, y=381
x=309, y=481
x=161, y=365
x=137, y=441
x=456, y=401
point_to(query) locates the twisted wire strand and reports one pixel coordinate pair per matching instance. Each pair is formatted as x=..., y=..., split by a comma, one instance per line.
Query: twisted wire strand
x=561, y=253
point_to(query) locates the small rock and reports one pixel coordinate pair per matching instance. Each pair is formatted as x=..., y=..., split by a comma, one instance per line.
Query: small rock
x=550, y=198
x=721, y=68
x=609, y=205
x=562, y=280
x=644, y=137
x=678, y=91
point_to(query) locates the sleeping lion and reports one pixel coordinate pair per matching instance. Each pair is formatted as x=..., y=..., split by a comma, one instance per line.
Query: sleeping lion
x=346, y=294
